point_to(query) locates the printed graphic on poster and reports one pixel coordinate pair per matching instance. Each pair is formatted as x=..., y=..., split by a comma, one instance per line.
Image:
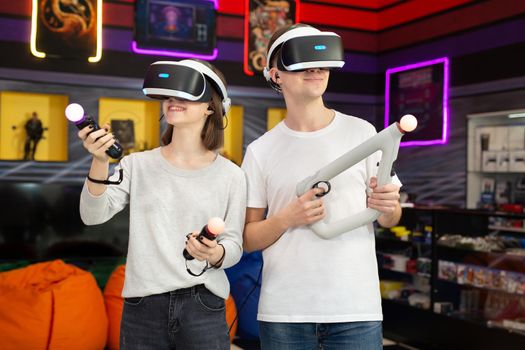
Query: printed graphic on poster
x=179, y=28
x=65, y=29
x=262, y=19
x=421, y=90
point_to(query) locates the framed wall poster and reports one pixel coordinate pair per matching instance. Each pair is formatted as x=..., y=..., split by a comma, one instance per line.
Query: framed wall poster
x=67, y=29
x=420, y=89
x=178, y=28
x=124, y=131
x=261, y=19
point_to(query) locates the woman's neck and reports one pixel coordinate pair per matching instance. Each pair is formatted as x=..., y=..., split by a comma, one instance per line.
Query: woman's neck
x=187, y=151
x=309, y=116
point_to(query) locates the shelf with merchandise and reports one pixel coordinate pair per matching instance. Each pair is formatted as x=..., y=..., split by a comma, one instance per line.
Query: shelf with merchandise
x=475, y=281
x=495, y=260
x=507, y=228
x=513, y=285
x=404, y=257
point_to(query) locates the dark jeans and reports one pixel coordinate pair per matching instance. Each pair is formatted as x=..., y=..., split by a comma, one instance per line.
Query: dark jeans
x=184, y=319
x=321, y=336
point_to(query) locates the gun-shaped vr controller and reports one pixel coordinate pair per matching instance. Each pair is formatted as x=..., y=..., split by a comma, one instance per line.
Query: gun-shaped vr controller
x=387, y=141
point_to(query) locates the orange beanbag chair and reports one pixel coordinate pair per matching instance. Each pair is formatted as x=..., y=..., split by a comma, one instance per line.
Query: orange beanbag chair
x=231, y=313
x=51, y=305
x=115, y=304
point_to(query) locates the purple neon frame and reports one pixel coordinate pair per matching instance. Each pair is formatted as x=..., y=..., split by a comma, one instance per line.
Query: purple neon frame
x=445, y=134
x=182, y=54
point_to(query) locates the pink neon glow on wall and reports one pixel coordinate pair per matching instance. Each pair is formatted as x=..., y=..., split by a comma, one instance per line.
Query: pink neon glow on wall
x=445, y=134
x=181, y=54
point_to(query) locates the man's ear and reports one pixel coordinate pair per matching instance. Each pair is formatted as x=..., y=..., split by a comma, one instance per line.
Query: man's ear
x=274, y=74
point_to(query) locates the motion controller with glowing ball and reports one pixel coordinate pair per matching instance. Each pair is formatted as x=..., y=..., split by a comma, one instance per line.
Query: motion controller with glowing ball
x=75, y=114
x=211, y=230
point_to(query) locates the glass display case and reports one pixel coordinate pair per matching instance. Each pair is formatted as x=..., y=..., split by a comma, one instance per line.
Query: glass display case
x=456, y=271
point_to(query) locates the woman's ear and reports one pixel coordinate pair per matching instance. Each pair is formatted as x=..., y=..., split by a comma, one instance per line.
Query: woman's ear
x=209, y=111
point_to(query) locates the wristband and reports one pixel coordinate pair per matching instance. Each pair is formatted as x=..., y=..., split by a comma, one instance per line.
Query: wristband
x=108, y=182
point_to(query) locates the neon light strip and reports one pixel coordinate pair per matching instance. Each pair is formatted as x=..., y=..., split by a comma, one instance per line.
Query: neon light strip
x=445, y=134
x=245, y=66
x=138, y=50
x=32, y=43
x=98, y=52
x=516, y=115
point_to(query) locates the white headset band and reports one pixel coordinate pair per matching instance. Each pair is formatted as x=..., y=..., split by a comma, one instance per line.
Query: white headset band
x=294, y=33
x=204, y=70
x=208, y=72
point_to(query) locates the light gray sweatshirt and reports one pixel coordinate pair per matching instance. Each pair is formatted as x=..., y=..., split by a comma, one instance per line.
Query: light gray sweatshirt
x=166, y=203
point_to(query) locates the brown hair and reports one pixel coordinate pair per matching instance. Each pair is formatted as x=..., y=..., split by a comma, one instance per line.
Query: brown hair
x=212, y=134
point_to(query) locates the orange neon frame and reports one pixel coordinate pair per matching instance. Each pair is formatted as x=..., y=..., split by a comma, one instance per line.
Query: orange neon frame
x=40, y=54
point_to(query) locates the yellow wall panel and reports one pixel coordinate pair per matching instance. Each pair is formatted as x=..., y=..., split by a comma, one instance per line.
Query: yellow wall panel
x=274, y=117
x=16, y=109
x=233, y=135
x=144, y=114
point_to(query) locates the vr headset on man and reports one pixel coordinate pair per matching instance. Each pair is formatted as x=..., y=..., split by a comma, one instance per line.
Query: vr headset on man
x=187, y=79
x=303, y=48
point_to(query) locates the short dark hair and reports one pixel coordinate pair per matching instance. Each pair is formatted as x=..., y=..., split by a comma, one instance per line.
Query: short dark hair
x=212, y=134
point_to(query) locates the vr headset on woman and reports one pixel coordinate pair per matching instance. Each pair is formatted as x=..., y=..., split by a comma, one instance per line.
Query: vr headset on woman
x=187, y=79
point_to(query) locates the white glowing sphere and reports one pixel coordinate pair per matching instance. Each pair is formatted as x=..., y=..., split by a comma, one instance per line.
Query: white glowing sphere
x=408, y=122
x=74, y=112
x=216, y=225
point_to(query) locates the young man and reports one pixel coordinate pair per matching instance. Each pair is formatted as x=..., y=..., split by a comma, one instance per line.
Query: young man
x=316, y=293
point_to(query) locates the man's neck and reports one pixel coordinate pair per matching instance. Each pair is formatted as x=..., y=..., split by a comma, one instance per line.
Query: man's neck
x=307, y=116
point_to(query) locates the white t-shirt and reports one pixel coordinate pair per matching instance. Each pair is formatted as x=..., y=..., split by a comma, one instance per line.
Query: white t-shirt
x=307, y=278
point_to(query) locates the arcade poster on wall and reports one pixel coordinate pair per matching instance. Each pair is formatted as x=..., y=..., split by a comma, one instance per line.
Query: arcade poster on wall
x=419, y=89
x=66, y=29
x=177, y=28
x=262, y=19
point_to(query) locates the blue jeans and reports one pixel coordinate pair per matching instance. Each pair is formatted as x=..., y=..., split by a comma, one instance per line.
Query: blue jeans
x=321, y=336
x=184, y=319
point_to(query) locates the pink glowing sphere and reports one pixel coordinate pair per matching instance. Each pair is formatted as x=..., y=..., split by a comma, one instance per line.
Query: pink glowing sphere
x=408, y=123
x=216, y=225
x=74, y=112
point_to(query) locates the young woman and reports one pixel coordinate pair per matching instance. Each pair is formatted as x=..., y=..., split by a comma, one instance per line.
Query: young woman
x=316, y=293
x=170, y=301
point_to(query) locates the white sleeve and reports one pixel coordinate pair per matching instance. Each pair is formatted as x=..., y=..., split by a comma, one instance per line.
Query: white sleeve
x=96, y=210
x=256, y=194
x=231, y=239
